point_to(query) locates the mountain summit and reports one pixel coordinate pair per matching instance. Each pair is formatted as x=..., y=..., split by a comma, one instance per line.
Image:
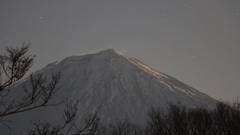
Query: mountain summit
x=126, y=87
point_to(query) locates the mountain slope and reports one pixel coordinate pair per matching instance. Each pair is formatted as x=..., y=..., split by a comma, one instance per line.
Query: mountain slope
x=126, y=87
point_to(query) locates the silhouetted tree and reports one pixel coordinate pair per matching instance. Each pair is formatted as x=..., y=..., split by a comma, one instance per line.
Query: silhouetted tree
x=200, y=122
x=69, y=126
x=227, y=118
x=179, y=120
x=177, y=116
x=124, y=128
x=39, y=93
x=14, y=66
x=157, y=123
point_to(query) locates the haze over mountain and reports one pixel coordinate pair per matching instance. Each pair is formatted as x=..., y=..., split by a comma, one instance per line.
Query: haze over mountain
x=126, y=87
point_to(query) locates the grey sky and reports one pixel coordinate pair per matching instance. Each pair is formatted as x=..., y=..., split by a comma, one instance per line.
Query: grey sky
x=197, y=42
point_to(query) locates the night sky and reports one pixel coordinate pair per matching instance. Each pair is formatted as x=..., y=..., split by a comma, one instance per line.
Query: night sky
x=196, y=42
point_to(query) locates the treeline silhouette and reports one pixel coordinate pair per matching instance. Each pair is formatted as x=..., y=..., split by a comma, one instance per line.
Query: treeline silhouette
x=179, y=120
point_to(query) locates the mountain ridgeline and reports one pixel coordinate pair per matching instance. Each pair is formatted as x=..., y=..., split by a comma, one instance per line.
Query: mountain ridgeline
x=122, y=86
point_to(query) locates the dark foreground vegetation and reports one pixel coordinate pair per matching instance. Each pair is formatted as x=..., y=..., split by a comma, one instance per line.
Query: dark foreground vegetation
x=223, y=120
x=176, y=120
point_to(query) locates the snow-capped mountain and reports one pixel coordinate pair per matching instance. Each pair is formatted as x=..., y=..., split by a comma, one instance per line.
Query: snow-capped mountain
x=126, y=87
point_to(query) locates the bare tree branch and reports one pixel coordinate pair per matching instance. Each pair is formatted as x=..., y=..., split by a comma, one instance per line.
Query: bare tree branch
x=14, y=66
